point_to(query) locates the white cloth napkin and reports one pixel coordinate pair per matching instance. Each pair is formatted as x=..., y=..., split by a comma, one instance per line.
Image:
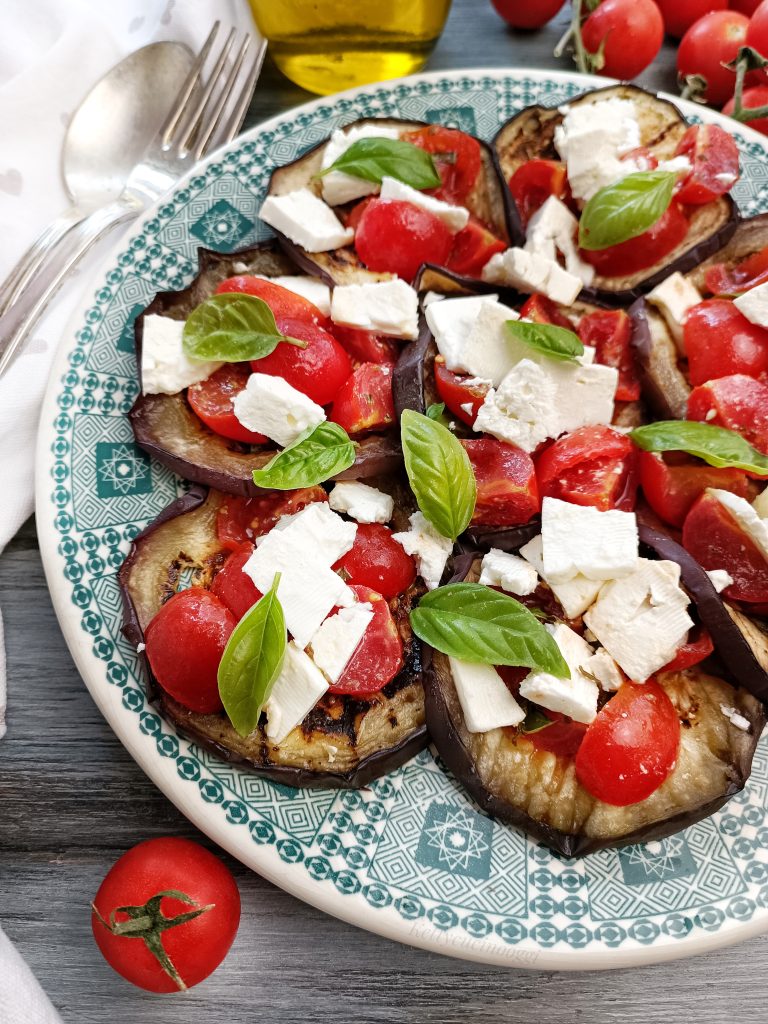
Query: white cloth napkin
x=51, y=53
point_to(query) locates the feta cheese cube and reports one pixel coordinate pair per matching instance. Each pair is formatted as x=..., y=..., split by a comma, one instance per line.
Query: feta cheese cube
x=575, y=595
x=310, y=288
x=735, y=718
x=720, y=579
x=575, y=697
x=454, y=217
x=165, y=367
x=754, y=304
x=510, y=572
x=270, y=405
x=674, y=297
x=529, y=272
x=578, y=539
x=746, y=516
x=338, y=638
x=605, y=670
x=760, y=504
x=485, y=700
x=364, y=503
x=489, y=351
x=320, y=530
x=451, y=321
x=296, y=690
x=305, y=219
x=430, y=549
x=591, y=139
x=641, y=619
x=552, y=230
x=386, y=307
x=337, y=186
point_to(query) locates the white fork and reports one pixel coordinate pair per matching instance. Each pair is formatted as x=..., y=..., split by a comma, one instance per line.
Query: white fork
x=199, y=122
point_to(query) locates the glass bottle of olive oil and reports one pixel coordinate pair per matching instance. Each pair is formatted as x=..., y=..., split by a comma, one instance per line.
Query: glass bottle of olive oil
x=329, y=45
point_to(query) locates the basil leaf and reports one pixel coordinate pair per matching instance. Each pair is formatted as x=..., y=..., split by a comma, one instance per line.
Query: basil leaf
x=439, y=472
x=625, y=209
x=436, y=410
x=316, y=456
x=535, y=721
x=374, y=159
x=233, y=328
x=477, y=624
x=549, y=339
x=252, y=661
x=715, y=445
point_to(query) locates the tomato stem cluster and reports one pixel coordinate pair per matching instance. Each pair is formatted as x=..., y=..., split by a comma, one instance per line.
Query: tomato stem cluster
x=747, y=59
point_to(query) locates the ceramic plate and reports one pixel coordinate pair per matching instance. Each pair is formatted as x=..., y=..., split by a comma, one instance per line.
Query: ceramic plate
x=410, y=856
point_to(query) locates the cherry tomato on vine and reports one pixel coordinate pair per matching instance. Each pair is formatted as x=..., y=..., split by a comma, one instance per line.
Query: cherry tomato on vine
x=527, y=13
x=166, y=914
x=711, y=42
x=679, y=15
x=756, y=96
x=747, y=7
x=757, y=34
x=630, y=33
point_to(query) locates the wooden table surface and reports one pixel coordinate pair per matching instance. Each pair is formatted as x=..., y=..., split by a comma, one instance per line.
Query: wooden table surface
x=59, y=832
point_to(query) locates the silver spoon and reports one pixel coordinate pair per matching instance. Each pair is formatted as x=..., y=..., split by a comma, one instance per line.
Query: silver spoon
x=105, y=139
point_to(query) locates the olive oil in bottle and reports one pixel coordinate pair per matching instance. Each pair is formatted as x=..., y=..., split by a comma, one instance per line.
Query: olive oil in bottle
x=329, y=45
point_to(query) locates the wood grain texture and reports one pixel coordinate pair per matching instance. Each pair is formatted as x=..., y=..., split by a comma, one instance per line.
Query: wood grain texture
x=59, y=833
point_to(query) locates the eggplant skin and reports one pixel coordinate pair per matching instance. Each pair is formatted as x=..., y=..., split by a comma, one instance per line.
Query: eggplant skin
x=165, y=425
x=530, y=134
x=538, y=791
x=344, y=742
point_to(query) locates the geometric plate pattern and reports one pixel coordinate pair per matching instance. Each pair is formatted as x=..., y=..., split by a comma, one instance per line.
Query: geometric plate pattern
x=410, y=855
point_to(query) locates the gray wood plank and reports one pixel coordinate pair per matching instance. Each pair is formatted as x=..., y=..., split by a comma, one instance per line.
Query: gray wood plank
x=71, y=800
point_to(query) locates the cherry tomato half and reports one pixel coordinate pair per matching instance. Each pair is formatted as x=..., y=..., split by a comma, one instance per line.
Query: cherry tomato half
x=720, y=341
x=542, y=310
x=211, y=400
x=365, y=346
x=736, y=402
x=235, y=587
x=185, y=641
x=628, y=33
x=189, y=880
x=631, y=747
x=472, y=247
x=609, y=331
x=716, y=541
x=534, y=182
x=714, y=163
x=282, y=301
x=461, y=399
x=458, y=158
x=642, y=252
x=698, y=646
x=398, y=237
x=671, y=487
x=593, y=466
x=318, y=370
x=562, y=738
x=364, y=402
x=507, y=492
x=377, y=561
x=240, y=520
x=707, y=46
x=725, y=279
x=379, y=656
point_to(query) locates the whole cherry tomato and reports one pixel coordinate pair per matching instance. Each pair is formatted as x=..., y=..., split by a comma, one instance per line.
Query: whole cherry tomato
x=397, y=237
x=282, y=301
x=318, y=370
x=166, y=914
x=679, y=15
x=720, y=341
x=711, y=42
x=527, y=13
x=628, y=34
x=757, y=34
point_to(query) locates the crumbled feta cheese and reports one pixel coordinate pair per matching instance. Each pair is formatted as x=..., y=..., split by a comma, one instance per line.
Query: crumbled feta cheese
x=552, y=230
x=735, y=718
x=485, y=700
x=579, y=539
x=165, y=367
x=746, y=516
x=528, y=272
x=454, y=217
x=310, y=288
x=337, y=186
x=754, y=304
x=140, y=648
x=641, y=619
x=720, y=579
x=385, y=307
x=364, y=503
x=430, y=297
x=760, y=504
x=605, y=670
x=305, y=219
x=510, y=572
x=451, y=321
x=591, y=139
x=575, y=595
x=674, y=297
x=270, y=405
x=430, y=549
x=575, y=697
x=338, y=638
x=539, y=400
x=296, y=690
x=467, y=408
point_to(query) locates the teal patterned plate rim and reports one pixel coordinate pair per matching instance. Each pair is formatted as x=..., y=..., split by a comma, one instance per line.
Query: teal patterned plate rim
x=409, y=857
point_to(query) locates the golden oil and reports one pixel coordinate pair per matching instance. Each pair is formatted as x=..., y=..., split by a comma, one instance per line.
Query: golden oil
x=329, y=45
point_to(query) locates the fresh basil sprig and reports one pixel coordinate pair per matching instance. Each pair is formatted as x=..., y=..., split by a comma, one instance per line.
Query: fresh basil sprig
x=476, y=624
x=252, y=661
x=233, y=328
x=548, y=339
x=625, y=209
x=439, y=472
x=316, y=456
x=717, y=446
x=376, y=158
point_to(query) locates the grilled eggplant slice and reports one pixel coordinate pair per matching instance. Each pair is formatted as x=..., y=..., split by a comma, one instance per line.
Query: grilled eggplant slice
x=538, y=791
x=165, y=425
x=488, y=202
x=530, y=134
x=344, y=742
